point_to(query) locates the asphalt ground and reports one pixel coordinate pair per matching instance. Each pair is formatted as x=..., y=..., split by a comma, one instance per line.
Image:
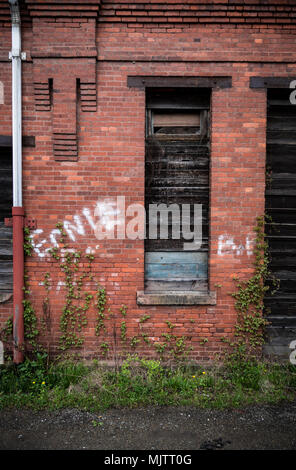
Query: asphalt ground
x=151, y=429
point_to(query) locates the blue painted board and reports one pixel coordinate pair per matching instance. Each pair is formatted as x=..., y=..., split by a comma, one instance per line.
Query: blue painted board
x=176, y=265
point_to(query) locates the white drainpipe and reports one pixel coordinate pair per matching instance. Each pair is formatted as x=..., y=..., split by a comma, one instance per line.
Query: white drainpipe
x=16, y=57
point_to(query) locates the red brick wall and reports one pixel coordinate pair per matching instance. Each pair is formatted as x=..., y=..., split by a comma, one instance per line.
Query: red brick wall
x=110, y=143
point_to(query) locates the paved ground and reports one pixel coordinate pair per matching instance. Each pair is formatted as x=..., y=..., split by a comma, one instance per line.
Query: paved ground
x=153, y=429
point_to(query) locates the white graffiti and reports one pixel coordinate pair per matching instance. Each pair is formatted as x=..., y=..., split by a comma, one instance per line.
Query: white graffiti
x=292, y=356
x=110, y=214
x=101, y=222
x=109, y=222
x=107, y=214
x=226, y=246
x=293, y=93
x=42, y=246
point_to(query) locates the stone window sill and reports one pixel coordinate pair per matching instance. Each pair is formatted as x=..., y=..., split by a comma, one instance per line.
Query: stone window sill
x=176, y=298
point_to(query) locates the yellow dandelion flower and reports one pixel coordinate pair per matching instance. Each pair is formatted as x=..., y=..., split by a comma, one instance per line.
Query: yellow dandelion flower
x=43, y=383
x=193, y=376
x=203, y=372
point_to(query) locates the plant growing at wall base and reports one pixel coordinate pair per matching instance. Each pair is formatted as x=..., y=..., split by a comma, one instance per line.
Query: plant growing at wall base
x=31, y=330
x=77, y=300
x=249, y=299
x=100, y=304
x=28, y=247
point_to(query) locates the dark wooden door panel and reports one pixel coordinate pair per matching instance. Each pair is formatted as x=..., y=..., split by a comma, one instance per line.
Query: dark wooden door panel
x=176, y=173
x=280, y=205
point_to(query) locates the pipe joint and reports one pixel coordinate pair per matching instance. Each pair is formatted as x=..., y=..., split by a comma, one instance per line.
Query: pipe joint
x=18, y=211
x=14, y=11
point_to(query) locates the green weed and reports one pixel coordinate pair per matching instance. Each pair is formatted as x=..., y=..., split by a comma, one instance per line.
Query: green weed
x=143, y=382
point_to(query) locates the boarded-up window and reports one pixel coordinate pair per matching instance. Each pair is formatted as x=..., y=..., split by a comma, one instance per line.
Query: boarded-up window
x=280, y=206
x=177, y=183
x=5, y=211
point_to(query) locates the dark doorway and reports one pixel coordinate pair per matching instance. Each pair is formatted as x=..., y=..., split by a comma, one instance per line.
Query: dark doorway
x=177, y=177
x=280, y=204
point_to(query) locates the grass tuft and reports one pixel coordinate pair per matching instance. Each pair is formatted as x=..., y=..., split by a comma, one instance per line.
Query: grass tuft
x=141, y=382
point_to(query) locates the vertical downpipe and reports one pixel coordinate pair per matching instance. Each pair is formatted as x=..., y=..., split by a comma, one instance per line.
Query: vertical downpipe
x=17, y=209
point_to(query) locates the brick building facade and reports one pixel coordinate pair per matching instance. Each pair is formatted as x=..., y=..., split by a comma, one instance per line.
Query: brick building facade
x=101, y=81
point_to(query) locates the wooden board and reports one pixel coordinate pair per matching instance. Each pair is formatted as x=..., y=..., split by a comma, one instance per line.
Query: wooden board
x=151, y=81
x=176, y=119
x=5, y=211
x=176, y=173
x=280, y=205
x=189, y=266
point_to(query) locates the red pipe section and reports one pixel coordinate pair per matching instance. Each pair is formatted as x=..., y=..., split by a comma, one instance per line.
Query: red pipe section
x=18, y=283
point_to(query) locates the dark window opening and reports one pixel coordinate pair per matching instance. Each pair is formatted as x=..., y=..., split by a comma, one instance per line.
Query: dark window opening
x=280, y=207
x=5, y=212
x=176, y=176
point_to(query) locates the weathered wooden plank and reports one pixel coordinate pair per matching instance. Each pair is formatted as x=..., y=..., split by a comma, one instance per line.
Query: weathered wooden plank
x=287, y=286
x=281, y=156
x=5, y=183
x=179, y=163
x=179, y=180
x=283, y=136
x=281, y=260
x=179, y=257
x=280, y=203
x=278, y=341
x=169, y=285
x=197, y=99
x=5, y=266
x=177, y=119
x=6, y=282
x=5, y=211
x=281, y=230
x=283, y=180
x=177, y=172
x=177, y=144
x=189, y=192
x=174, y=231
x=182, y=218
x=5, y=235
x=169, y=152
x=279, y=126
x=279, y=307
x=177, y=266
x=173, y=272
x=283, y=321
x=281, y=244
x=5, y=252
x=281, y=192
x=171, y=245
x=275, y=113
x=287, y=216
x=287, y=275
x=174, y=228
